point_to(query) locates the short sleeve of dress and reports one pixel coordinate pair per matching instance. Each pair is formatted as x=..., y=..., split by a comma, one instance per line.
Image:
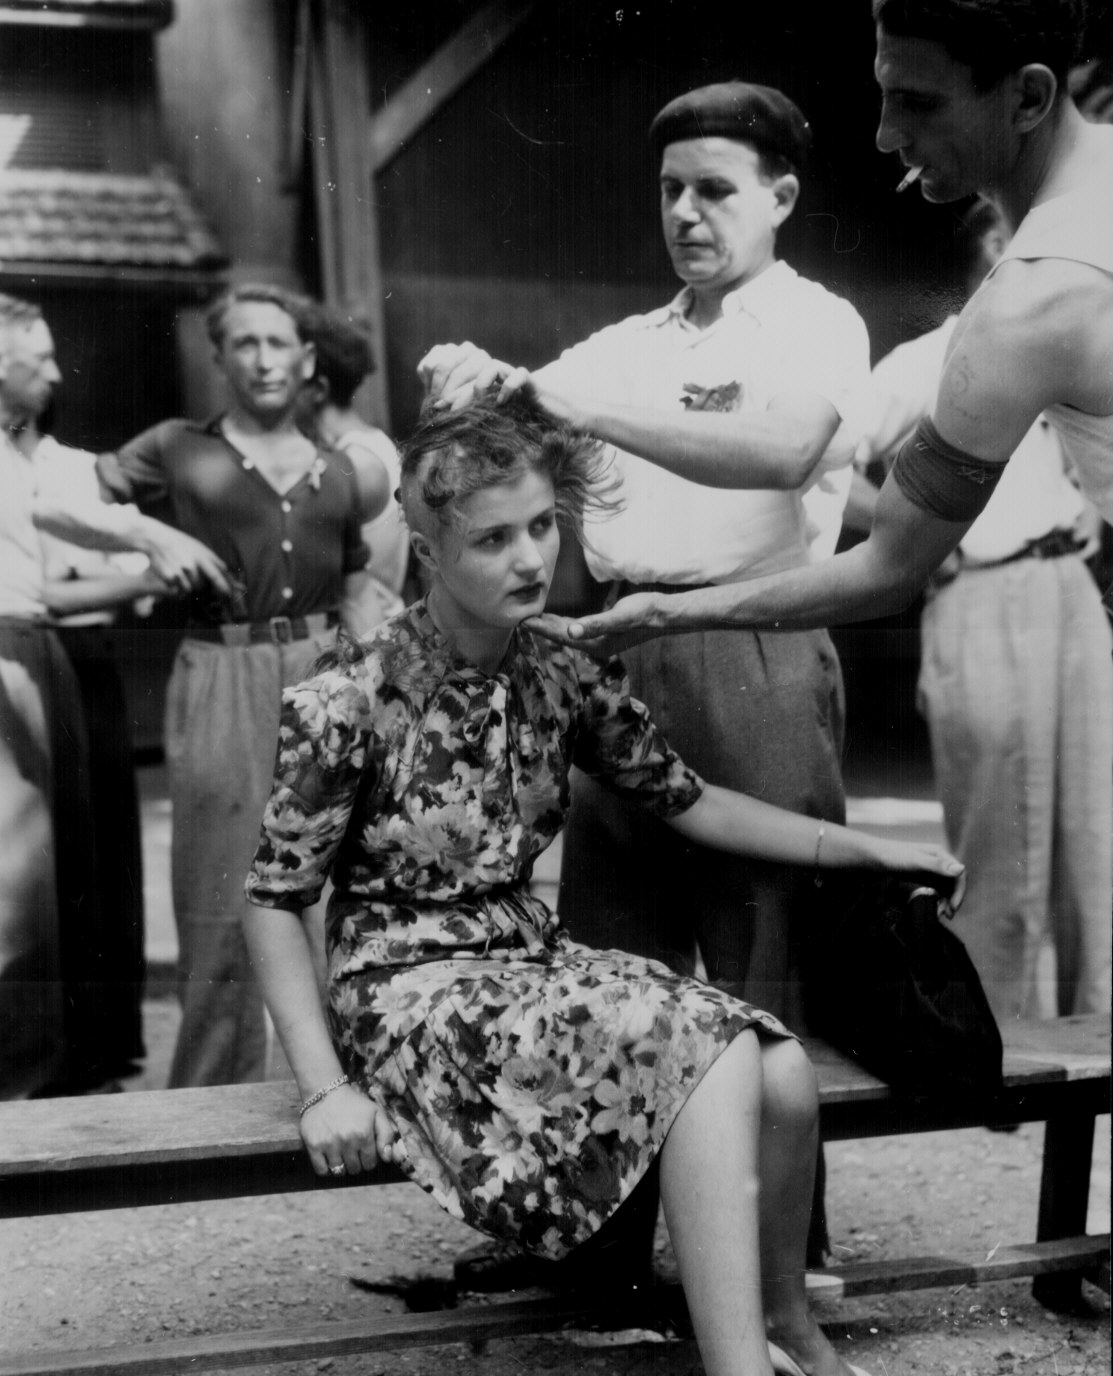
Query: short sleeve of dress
x=325, y=744
x=617, y=743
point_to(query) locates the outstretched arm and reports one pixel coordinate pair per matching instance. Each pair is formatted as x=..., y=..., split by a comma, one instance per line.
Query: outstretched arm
x=775, y=448
x=1015, y=354
x=344, y=1128
x=177, y=558
x=98, y=591
x=880, y=575
x=730, y=821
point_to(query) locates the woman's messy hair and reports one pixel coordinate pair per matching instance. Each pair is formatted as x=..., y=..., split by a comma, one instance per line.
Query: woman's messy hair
x=454, y=454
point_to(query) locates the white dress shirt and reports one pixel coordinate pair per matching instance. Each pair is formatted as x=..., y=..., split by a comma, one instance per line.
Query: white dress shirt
x=21, y=558
x=778, y=333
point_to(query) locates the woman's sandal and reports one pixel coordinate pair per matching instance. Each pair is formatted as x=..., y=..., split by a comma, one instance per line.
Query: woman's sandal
x=783, y=1364
x=497, y=1267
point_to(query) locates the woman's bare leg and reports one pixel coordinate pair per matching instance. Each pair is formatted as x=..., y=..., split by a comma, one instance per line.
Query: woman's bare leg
x=709, y=1189
x=753, y=1117
x=786, y=1163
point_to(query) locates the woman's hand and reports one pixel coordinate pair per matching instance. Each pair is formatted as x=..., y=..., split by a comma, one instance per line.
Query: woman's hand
x=347, y=1132
x=917, y=856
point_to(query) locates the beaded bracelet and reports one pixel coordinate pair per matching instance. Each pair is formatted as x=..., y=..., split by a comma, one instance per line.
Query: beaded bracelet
x=320, y=1094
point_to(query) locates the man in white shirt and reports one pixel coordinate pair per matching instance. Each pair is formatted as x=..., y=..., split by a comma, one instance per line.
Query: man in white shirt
x=722, y=407
x=103, y=939
x=40, y=720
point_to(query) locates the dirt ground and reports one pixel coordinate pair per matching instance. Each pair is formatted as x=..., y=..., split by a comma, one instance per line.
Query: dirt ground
x=142, y=1275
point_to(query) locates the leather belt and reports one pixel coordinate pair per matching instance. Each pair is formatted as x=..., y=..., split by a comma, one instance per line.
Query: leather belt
x=276, y=630
x=1054, y=545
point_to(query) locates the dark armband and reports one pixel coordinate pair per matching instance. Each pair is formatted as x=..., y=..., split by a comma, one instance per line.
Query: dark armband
x=939, y=478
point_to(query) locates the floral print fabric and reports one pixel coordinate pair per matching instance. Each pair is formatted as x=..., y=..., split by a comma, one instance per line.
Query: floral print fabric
x=531, y=1080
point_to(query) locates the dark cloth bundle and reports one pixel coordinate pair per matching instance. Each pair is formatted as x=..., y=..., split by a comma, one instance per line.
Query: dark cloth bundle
x=889, y=984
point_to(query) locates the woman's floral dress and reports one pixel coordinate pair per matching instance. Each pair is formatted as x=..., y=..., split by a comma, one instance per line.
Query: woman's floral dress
x=532, y=1080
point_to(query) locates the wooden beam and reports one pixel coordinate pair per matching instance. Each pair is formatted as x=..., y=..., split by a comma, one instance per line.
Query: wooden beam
x=297, y=134
x=481, y=1322
x=437, y=80
x=343, y=181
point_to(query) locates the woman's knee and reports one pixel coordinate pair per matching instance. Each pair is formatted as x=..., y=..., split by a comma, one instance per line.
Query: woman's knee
x=789, y=1091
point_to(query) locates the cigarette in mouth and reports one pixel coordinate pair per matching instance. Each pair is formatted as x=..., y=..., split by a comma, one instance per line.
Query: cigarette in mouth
x=909, y=177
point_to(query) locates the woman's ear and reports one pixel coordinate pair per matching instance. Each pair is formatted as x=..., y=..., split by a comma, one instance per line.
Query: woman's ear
x=423, y=549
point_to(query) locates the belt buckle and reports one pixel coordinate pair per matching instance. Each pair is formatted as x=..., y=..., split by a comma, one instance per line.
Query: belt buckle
x=282, y=629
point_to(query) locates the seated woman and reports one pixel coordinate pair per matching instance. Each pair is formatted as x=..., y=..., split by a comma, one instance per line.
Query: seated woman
x=527, y=1083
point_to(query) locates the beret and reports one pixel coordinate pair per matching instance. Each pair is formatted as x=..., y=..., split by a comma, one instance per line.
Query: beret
x=759, y=115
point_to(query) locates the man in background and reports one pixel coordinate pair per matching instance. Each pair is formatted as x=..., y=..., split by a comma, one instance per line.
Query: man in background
x=285, y=514
x=1016, y=683
x=52, y=985
x=344, y=360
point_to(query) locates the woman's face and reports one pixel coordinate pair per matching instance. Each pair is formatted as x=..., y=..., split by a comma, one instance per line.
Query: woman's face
x=497, y=561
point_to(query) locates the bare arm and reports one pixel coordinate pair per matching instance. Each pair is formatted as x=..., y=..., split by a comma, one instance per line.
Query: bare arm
x=345, y=1127
x=861, y=503
x=726, y=820
x=354, y=602
x=177, y=558
x=880, y=575
x=372, y=479
x=95, y=592
x=775, y=448
x=1014, y=354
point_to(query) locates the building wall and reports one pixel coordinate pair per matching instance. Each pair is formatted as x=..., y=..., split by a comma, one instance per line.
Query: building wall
x=223, y=71
x=525, y=211
x=524, y=214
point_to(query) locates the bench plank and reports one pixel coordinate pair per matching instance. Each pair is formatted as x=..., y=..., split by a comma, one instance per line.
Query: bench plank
x=155, y=1126
x=185, y=1145
x=174, y=1146
x=1048, y=1052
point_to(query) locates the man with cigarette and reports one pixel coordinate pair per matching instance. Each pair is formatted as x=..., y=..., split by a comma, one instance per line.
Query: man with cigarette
x=724, y=408
x=1015, y=685
x=974, y=99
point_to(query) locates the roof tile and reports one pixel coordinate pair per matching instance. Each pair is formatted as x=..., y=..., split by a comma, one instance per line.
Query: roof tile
x=54, y=216
x=148, y=14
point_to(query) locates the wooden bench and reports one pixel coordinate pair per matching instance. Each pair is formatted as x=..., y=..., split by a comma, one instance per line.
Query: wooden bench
x=180, y=1146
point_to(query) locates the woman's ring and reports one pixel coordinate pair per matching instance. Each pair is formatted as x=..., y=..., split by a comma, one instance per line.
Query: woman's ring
x=337, y=1170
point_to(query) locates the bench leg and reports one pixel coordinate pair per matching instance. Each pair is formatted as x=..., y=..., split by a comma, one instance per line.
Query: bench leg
x=1068, y=1149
